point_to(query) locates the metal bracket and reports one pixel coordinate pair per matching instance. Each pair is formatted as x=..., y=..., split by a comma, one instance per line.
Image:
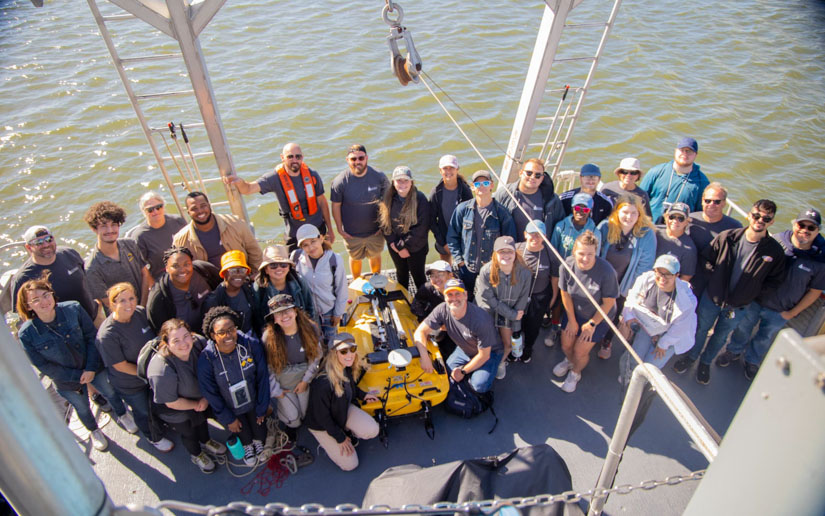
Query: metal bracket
x=405, y=69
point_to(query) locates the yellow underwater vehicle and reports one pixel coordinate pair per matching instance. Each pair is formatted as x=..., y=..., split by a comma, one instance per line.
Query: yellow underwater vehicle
x=379, y=317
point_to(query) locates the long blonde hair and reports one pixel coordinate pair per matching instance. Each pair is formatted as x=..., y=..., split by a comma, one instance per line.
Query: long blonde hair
x=495, y=267
x=274, y=340
x=614, y=227
x=408, y=216
x=334, y=370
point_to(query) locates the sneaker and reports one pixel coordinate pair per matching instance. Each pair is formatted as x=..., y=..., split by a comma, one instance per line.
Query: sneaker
x=562, y=367
x=552, y=336
x=258, y=446
x=163, y=445
x=303, y=457
x=213, y=447
x=571, y=381
x=204, y=462
x=512, y=358
x=683, y=364
x=726, y=358
x=525, y=359
x=502, y=370
x=703, y=374
x=604, y=352
x=101, y=402
x=750, y=371
x=128, y=423
x=99, y=441
x=249, y=457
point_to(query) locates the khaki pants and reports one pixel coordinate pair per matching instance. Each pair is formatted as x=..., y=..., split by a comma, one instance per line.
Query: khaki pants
x=359, y=423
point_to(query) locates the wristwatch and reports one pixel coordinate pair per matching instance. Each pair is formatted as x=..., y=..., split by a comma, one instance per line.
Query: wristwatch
x=463, y=372
x=591, y=323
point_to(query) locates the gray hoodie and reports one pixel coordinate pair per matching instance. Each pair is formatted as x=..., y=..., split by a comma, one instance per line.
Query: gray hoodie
x=504, y=301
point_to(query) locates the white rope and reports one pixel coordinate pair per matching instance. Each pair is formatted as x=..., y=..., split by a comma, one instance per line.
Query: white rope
x=276, y=441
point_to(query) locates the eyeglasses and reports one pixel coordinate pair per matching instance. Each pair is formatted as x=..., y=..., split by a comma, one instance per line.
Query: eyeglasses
x=629, y=172
x=37, y=242
x=294, y=156
x=581, y=209
x=152, y=209
x=677, y=218
x=764, y=218
x=479, y=184
x=348, y=350
x=228, y=331
x=663, y=275
x=36, y=301
x=528, y=173
x=714, y=201
x=278, y=265
x=357, y=158
x=811, y=227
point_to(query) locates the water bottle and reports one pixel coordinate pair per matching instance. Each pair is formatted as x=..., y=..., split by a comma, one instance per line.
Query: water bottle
x=518, y=345
x=235, y=447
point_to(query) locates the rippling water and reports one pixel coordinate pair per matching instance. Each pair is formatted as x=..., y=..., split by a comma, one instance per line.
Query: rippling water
x=747, y=79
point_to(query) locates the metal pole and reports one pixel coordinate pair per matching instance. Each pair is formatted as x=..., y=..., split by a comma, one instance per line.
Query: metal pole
x=42, y=470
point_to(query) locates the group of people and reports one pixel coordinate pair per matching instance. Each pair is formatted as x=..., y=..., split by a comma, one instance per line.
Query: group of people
x=638, y=253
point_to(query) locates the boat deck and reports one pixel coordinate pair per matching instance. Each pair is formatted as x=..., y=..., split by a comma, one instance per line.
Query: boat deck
x=531, y=410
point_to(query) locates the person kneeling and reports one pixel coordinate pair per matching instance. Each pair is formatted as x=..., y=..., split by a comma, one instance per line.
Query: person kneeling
x=333, y=419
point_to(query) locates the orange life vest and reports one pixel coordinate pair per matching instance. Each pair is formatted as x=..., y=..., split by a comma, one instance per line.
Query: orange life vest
x=308, y=181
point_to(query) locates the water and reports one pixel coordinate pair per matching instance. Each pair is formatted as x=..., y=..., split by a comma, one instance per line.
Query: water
x=747, y=79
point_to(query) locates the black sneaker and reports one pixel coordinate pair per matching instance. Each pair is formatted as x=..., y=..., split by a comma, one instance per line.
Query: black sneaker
x=101, y=402
x=703, y=374
x=525, y=359
x=683, y=364
x=303, y=457
x=352, y=439
x=750, y=371
x=727, y=358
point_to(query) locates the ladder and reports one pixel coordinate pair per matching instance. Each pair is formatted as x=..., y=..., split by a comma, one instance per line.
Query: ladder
x=556, y=138
x=181, y=22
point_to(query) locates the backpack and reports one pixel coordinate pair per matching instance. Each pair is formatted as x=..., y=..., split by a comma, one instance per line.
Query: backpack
x=145, y=356
x=464, y=401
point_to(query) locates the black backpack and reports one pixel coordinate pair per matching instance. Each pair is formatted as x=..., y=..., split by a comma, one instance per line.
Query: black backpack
x=145, y=356
x=464, y=401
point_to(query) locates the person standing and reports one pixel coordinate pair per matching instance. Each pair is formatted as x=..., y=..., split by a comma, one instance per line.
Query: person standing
x=535, y=193
x=474, y=228
x=679, y=180
x=155, y=234
x=671, y=239
x=404, y=218
x=744, y=263
x=569, y=228
x=805, y=258
x=628, y=173
x=589, y=176
x=355, y=195
x=544, y=287
x=299, y=191
x=451, y=191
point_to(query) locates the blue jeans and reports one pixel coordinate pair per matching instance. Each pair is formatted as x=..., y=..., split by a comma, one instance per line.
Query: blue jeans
x=643, y=345
x=482, y=378
x=708, y=313
x=469, y=279
x=770, y=322
x=139, y=402
x=328, y=331
x=80, y=400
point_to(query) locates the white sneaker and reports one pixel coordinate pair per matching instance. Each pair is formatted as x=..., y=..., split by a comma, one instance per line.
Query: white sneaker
x=163, y=445
x=571, y=381
x=204, y=462
x=213, y=447
x=553, y=334
x=127, y=421
x=99, y=441
x=562, y=367
x=502, y=370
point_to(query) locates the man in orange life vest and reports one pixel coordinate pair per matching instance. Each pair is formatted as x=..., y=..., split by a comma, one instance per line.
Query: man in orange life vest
x=299, y=190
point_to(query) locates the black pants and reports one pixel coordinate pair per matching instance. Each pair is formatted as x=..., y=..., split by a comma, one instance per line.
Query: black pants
x=608, y=338
x=250, y=429
x=193, y=432
x=533, y=316
x=413, y=265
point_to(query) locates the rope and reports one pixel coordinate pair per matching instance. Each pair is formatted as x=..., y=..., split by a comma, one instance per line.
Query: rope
x=276, y=441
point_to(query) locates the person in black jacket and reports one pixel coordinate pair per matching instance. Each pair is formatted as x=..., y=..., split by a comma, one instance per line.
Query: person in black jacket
x=182, y=290
x=236, y=292
x=404, y=218
x=333, y=419
x=451, y=191
x=534, y=191
x=430, y=295
x=742, y=263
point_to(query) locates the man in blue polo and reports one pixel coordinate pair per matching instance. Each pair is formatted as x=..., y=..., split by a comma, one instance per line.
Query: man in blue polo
x=679, y=180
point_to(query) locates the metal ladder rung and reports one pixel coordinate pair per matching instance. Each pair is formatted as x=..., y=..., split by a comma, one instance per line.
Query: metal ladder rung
x=213, y=180
x=165, y=129
x=158, y=57
x=150, y=96
x=220, y=203
x=541, y=144
x=554, y=118
x=118, y=17
x=560, y=90
x=585, y=25
x=570, y=59
x=196, y=155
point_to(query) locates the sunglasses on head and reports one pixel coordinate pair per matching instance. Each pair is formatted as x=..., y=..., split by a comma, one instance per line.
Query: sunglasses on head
x=581, y=209
x=677, y=218
x=347, y=350
x=479, y=184
x=629, y=172
x=528, y=173
x=758, y=216
x=294, y=156
x=714, y=201
x=48, y=239
x=152, y=209
x=810, y=227
x=357, y=158
x=278, y=265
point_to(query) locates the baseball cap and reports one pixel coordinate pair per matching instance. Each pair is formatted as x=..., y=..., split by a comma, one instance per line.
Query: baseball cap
x=630, y=164
x=439, y=265
x=481, y=173
x=535, y=226
x=811, y=215
x=667, y=262
x=504, y=242
x=582, y=199
x=590, y=170
x=342, y=338
x=679, y=207
x=688, y=142
x=402, y=172
x=34, y=232
x=454, y=284
x=305, y=232
x=448, y=160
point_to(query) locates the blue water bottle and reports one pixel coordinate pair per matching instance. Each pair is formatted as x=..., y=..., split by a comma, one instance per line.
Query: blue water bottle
x=235, y=447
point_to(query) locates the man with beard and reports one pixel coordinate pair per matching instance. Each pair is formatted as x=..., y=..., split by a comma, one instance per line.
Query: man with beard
x=209, y=235
x=533, y=192
x=679, y=180
x=299, y=190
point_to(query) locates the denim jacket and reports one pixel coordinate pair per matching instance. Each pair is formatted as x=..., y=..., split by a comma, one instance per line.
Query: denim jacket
x=461, y=236
x=63, y=353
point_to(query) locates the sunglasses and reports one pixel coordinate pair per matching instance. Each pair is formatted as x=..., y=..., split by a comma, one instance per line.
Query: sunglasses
x=714, y=201
x=479, y=184
x=528, y=173
x=764, y=218
x=581, y=209
x=152, y=209
x=294, y=156
x=357, y=158
x=629, y=172
x=242, y=271
x=677, y=218
x=348, y=350
x=48, y=239
x=278, y=265
x=811, y=227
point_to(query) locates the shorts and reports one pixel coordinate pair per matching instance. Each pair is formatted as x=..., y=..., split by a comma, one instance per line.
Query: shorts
x=359, y=248
x=598, y=334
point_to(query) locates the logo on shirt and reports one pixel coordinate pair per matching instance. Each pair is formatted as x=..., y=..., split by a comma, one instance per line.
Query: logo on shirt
x=767, y=258
x=72, y=271
x=372, y=188
x=130, y=257
x=804, y=268
x=146, y=329
x=202, y=294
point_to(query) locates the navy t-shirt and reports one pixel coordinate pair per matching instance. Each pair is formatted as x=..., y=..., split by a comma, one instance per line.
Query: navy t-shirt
x=68, y=279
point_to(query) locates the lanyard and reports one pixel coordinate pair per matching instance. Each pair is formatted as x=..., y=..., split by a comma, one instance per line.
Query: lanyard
x=684, y=182
x=237, y=355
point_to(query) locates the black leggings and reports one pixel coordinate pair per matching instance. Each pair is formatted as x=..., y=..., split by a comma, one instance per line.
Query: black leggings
x=193, y=432
x=413, y=265
x=533, y=316
x=250, y=429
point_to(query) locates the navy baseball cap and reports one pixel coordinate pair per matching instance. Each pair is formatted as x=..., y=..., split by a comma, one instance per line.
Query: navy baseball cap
x=687, y=141
x=590, y=170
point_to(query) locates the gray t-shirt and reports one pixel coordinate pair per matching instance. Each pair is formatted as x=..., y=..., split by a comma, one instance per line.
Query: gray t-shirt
x=68, y=279
x=547, y=266
x=614, y=191
x=600, y=280
x=121, y=342
x=359, y=198
x=702, y=233
x=473, y=331
x=619, y=255
x=211, y=242
x=743, y=253
x=660, y=303
x=171, y=378
x=153, y=242
x=270, y=182
x=682, y=248
x=295, y=351
x=532, y=204
x=449, y=200
x=103, y=272
x=188, y=303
